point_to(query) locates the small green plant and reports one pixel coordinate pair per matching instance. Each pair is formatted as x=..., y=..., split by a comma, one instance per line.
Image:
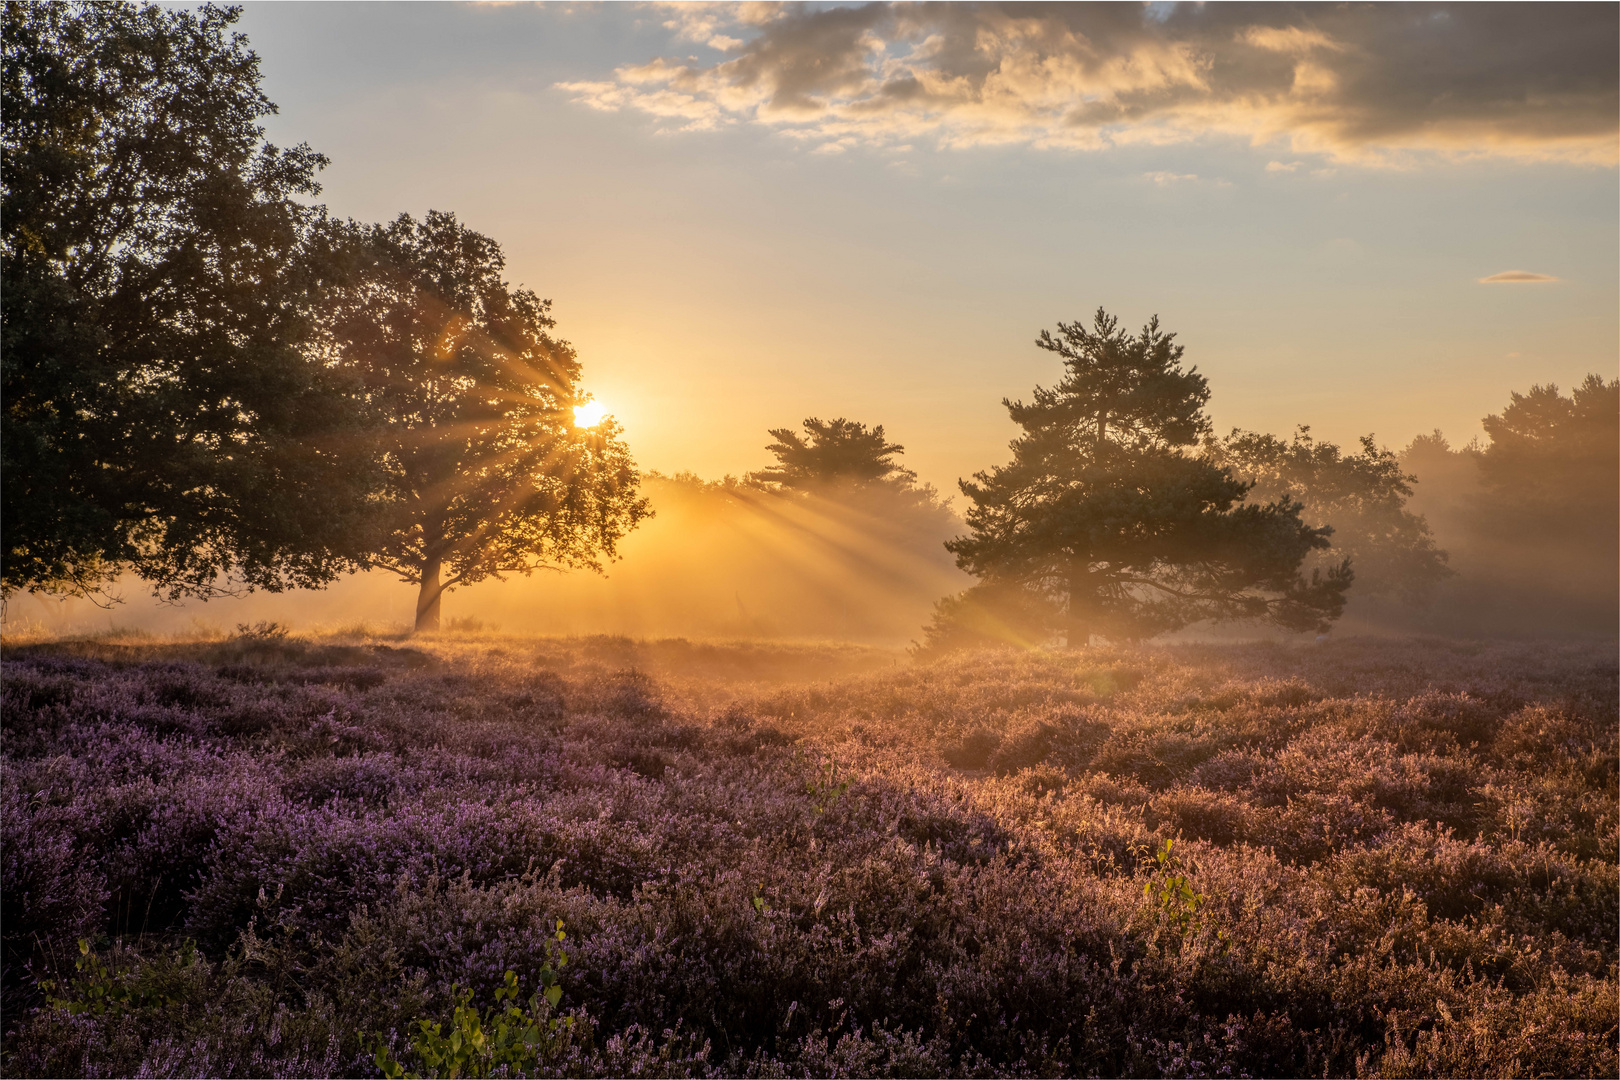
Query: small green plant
x=761, y=907
x=826, y=787
x=478, y=1043
x=1169, y=890
x=99, y=989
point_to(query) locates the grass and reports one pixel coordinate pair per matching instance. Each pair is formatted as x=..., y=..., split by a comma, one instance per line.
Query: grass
x=1368, y=857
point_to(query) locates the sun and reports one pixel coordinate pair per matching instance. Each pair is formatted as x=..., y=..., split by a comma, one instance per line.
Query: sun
x=589, y=414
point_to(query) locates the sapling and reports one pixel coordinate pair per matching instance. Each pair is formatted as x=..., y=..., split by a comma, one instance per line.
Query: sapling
x=481, y=1043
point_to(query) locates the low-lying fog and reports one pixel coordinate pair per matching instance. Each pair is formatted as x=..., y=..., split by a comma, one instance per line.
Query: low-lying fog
x=732, y=561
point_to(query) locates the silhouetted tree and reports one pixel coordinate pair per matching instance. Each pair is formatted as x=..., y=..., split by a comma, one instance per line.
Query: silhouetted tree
x=1362, y=496
x=160, y=415
x=1552, y=468
x=1104, y=509
x=1532, y=517
x=831, y=452
x=472, y=399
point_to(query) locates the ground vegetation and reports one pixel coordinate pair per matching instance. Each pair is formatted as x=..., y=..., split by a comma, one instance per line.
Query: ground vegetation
x=286, y=856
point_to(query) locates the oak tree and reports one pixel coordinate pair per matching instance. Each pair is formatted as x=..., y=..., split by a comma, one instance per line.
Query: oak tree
x=161, y=415
x=470, y=403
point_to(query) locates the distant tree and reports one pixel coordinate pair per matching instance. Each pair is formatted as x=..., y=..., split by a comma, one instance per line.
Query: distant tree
x=485, y=471
x=989, y=614
x=1551, y=471
x=1106, y=510
x=160, y=415
x=1436, y=465
x=1362, y=496
x=831, y=452
x=1532, y=517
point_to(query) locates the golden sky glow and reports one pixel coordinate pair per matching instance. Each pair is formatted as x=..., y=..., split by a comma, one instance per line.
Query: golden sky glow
x=750, y=214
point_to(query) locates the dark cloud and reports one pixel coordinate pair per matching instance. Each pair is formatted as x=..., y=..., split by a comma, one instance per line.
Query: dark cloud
x=1361, y=81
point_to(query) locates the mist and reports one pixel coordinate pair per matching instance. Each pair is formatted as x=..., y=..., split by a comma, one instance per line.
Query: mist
x=1521, y=570
x=1527, y=523
x=718, y=560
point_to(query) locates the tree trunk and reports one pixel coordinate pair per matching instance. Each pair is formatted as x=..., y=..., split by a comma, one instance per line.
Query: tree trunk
x=1081, y=606
x=427, y=600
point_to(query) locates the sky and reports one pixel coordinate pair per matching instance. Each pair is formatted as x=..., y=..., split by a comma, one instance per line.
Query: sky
x=746, y=215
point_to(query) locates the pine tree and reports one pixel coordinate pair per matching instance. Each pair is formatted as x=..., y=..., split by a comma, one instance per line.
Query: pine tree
x=833, y=452
x=1106, y=510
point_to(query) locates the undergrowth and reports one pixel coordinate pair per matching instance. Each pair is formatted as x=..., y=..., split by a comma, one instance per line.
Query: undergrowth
x=263, y=855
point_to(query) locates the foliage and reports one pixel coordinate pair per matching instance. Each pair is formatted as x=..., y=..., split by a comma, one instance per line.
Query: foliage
x=1553, y=463
x=1169, y=890
x=98, y=988
x=1104, y=509
x=160, y=415
x=832, y=452
x=485, y=471
x=1410, y=846
x=989, y=614
x=494, y=1042
x=1361, y=496
x=826, y=787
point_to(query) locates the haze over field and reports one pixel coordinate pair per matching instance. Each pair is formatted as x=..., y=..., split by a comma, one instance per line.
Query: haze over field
x=1367, y=220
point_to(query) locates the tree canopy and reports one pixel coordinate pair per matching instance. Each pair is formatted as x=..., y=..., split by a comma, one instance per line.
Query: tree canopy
x=1529, y=516
x=833, y=452
x=160, y=413
x=1108, y=513
x=470, y=402
x=1552, y=467
x=1362, y=496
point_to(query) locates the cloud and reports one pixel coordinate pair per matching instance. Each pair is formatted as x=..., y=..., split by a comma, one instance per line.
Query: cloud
x=701, y=20
x=1509, y=277
x=1171, y=179
x=1364, y=83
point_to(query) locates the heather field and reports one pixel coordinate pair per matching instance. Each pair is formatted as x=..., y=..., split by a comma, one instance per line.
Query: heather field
x=1363, y=857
